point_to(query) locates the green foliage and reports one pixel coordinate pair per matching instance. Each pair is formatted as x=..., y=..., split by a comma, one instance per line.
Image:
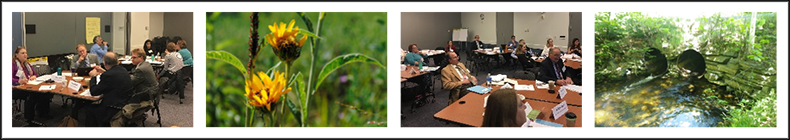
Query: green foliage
x=759, y=113
x=621, y=37
x=229, y=58
x=362, y=86
x=343, y=60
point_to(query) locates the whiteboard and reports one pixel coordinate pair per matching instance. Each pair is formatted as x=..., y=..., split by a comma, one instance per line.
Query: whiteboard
x=460, y=34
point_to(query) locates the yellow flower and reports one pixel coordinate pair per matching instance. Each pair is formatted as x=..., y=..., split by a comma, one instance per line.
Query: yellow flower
x=283, y=41
x=264, y=91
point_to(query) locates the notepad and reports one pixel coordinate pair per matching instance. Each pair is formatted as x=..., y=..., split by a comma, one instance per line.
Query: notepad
x=531, y=113
x=525, y=87
x=479, y=89
x=47, y=87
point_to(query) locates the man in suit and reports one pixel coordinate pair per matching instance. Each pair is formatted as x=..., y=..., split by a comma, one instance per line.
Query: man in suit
x=456, y=78
x=143, y=77
x=477, y=42
x=553, y=69
x=115, y=86
x=85, y=59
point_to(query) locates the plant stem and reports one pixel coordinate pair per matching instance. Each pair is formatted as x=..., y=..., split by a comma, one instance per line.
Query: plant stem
x=271, y=118
x=288, y=70
x=246, y=115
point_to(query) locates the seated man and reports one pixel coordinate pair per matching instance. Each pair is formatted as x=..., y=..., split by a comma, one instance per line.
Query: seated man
x=84, y=59
x=553, y=69
x=143, y=77
x=99, y=48
x=114, y=84
x=456, y=78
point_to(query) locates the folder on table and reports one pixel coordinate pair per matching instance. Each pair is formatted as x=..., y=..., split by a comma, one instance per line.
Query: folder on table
x=479, y=89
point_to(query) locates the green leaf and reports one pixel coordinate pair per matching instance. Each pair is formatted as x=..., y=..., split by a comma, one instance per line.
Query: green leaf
x=216, y=12
x=229, y=58
x=308, y=33
x=339, y=61
x=295, y=111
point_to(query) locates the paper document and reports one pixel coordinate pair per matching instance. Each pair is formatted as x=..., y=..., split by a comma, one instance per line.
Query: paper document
x=525, y=87
x=47, y=87
x=44, y=77
x=573, y=88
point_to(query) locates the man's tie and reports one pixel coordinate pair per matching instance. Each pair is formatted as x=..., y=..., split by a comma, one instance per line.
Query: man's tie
x=557, y=71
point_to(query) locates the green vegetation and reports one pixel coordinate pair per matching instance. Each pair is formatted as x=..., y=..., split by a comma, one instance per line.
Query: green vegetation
x=353, y=95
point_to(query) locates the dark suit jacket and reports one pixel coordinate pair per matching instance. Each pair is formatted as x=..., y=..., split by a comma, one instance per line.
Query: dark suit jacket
x=475, y=43
x=547, y=70
x=116, y=86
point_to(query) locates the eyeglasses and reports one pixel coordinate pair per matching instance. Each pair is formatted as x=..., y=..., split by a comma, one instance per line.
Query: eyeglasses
x=133, y=57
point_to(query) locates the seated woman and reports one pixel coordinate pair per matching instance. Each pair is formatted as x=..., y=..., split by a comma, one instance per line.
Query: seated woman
x=450, y=47
x=22, y=73
x=504, y=109
x=148, y=49
x=576, y=47
x=547, y=48
x=185, y=54
x=172, y=66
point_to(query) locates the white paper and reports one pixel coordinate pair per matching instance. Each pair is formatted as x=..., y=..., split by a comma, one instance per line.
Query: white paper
x=498, y=77
x=126, y=62
x=402, y=67
x=58, y=78
x=525, y=87
x=34, y=82
x=507, y=86
x=67, y=74
x=98, y=79
x=574, y=88
x=47, y=87
x=562, y=92
x=44, y=77
x=485, y=101
x=74, y=85
x=87, y=92
x=559, y=110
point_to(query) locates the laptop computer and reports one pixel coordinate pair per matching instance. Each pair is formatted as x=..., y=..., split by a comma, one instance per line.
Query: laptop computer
x=83, y=71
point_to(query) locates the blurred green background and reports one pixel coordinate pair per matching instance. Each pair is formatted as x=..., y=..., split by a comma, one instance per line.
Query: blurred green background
x=354, y=95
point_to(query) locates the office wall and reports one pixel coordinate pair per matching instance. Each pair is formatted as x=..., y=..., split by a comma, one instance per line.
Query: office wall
x=118, y=40
x=180, y=24
x=535, y=30
x=58, y=33
x=486, y=27
x=504, y=27
x=16, y=30
x=428, y=30
x=156, y=24
x=140, y=29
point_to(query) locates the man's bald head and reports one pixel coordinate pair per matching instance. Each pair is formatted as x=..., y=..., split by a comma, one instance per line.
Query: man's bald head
x=110, y=59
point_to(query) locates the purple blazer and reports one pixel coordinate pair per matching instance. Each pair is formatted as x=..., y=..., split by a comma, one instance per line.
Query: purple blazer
x=15, y=68
x=11, y=68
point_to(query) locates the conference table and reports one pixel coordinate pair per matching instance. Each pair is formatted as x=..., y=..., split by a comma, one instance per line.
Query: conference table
x=469, y=110
x=570, y=60
x=60, y=89
x=157, y=64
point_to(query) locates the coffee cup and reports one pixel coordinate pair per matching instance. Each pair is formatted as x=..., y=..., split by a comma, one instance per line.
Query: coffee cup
x=570, y=119
x=551, y=86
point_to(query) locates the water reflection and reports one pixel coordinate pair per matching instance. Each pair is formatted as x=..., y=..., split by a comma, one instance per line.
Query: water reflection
x=668, y=101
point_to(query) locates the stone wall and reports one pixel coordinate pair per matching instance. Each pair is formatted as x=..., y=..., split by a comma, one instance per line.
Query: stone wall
x=740, y=75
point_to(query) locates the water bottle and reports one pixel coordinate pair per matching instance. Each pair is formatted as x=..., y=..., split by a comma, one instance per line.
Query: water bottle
x=152, y=57
x=488, y=80
x=420, y=65
x=60, y=71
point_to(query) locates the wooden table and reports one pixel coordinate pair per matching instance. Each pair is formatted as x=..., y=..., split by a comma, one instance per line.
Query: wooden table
x=495, y=52
x=568, y=63
x=405, y=74
x=573, y=98
x=60, y=89
x=471, y=112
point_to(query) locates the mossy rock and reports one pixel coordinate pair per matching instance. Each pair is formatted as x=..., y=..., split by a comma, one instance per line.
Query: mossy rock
x=712, y=76
x=726, y=69
x=731, y=53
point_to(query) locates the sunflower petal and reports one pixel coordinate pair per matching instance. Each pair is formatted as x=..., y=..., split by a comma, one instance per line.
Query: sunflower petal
x=301, y=41
x=291, y=25
x=273, y=28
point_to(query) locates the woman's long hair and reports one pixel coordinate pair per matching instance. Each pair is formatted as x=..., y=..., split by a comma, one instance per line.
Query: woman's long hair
x=501, y=109
x=16, y=51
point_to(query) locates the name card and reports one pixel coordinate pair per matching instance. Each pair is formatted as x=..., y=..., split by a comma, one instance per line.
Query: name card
x=559, y=110
x=58, y=78
x=75, y=85
x=562, y=92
